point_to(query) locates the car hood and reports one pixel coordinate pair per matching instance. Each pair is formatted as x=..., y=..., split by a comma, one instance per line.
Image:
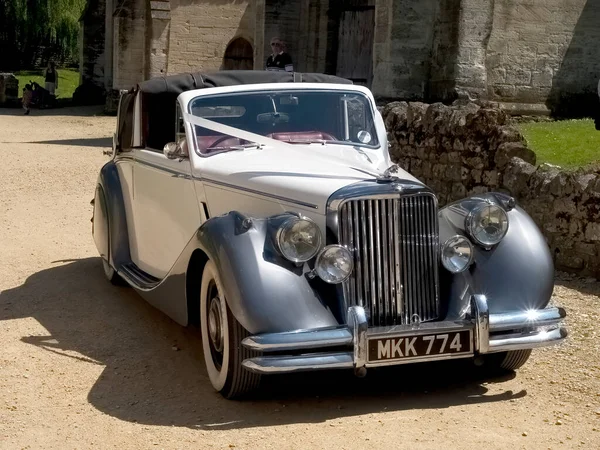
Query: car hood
x=304, y=174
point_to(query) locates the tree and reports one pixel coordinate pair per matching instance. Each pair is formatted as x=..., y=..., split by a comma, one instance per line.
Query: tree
x=33, y=31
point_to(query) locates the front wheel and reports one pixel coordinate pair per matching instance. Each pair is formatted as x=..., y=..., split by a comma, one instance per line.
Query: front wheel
x=507, y=361
x=222, y=335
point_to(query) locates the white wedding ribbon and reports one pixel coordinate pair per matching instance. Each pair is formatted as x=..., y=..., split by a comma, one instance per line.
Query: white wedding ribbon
x=237, y=132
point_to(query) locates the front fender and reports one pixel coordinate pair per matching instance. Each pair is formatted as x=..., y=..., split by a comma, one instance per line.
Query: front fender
x=264, y=293
x=515, y=275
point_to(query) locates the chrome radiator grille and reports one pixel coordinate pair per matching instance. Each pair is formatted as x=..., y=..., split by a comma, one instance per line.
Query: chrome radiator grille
x=395, y=246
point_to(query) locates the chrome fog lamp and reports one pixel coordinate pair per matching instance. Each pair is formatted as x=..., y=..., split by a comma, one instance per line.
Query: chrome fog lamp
x=457, y=254
x=487, y=224
x=334, y=264
x=299, y=239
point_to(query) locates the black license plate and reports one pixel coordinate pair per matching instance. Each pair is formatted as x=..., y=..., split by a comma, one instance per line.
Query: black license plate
x=426, y=346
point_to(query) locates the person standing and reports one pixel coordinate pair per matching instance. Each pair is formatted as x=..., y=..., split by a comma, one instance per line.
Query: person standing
x=27, y=97
x=279, y=59
x=51, y=78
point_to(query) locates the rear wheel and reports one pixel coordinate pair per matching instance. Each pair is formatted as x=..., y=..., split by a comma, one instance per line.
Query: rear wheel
x=111, y=274
x=222, y=335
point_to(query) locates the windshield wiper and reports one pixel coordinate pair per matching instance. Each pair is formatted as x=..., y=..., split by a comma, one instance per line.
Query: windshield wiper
x=307, y=141
x=238, y=147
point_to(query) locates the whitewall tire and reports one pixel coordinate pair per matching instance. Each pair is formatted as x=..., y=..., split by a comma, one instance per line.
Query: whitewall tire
x=222, y=335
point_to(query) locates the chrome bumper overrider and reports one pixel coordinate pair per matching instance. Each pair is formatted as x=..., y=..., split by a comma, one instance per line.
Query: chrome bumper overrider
x=346, y=347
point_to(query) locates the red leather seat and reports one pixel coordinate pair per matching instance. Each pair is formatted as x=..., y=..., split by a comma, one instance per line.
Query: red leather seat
x=301, y=135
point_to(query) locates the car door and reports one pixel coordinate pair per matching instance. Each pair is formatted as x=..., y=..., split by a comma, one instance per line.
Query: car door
x=165, y=206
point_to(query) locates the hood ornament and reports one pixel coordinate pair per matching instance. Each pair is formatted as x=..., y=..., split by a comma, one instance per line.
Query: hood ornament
x=387, y=174
x=416, y=322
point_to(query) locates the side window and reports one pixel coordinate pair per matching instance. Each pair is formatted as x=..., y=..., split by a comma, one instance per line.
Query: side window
x=179, y=127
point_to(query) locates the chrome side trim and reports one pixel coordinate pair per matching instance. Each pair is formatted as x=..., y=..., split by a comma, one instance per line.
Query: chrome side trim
x=534, y=318
x=156, y=166
x=301, y=363
x=481, y=315
x=521, y=341
x=264, y=194
x=299, y=340
x=137, y=277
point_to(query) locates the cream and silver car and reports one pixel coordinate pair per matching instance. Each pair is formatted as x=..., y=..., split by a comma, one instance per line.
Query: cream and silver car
x=264, y=207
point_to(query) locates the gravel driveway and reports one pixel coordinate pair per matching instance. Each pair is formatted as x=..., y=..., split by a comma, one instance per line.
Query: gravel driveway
x=84, y=364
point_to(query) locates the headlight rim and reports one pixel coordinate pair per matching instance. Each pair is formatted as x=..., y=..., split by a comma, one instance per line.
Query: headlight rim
x=320, y=255
x=471, y=256
x=288, y=223
x=469, y=221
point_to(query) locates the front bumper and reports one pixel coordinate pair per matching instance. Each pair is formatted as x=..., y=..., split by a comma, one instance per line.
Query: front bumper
x=356, y=346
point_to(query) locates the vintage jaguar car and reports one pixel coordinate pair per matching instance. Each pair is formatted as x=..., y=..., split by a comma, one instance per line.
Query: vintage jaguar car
x=264, y=208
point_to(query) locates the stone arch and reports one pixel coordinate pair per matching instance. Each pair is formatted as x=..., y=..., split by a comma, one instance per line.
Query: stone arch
x=239, y=55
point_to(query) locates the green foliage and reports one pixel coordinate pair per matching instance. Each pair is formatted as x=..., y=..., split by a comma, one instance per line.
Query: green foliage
x=68, y=80
x=36, y=30
x=566, y=143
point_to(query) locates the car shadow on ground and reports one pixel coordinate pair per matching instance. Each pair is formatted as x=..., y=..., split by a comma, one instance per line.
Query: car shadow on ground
x=83, y=142
x=154, y=370
x=80, y=111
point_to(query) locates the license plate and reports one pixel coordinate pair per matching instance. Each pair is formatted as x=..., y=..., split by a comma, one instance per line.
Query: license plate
x=383, y=349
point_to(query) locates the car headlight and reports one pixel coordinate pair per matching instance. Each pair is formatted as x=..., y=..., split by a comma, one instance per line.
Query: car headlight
x=487, y=224
x=457, y=254
x=334, y=264
x=299, y=239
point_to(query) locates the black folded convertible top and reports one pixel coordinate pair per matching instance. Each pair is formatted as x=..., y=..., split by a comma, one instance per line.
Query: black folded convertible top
x=176, y=84
x=159, y=96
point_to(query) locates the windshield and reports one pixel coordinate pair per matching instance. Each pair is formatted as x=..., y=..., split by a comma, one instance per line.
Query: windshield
x=296, y=117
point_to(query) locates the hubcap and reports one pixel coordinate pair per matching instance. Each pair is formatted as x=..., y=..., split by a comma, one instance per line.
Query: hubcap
x=215, y=330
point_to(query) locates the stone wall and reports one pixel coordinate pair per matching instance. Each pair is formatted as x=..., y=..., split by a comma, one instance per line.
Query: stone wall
x=545, y=51
x=201, y=31
x=465, y=150
x=9, y=89
x=129, y=60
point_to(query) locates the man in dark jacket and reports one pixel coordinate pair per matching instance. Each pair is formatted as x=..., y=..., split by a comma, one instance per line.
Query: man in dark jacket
x=279, y=59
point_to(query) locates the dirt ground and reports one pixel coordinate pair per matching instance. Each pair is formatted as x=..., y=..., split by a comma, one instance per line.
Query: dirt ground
x=84, y=364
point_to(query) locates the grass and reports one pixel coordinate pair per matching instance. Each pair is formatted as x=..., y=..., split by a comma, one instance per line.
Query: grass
x=68, y=80
x=567, y=143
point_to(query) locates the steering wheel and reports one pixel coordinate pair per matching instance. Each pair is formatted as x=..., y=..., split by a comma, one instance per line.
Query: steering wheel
x=220, y=140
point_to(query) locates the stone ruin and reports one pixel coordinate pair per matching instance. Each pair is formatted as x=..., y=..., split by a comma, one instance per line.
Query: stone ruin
x=9, y=89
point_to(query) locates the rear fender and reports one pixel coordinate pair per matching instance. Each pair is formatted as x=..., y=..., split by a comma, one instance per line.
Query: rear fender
x=110, y=222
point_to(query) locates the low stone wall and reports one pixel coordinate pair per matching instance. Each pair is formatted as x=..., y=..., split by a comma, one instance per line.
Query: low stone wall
x=469, y=149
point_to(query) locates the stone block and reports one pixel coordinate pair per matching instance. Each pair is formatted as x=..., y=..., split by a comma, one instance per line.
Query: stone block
x=458, y=191
x=490, y=178
x=518, y=77
x=542, y=78
x=508, y=150
x=504, y=91
x=517, y=175
x=497, y=76
x=592, y=232
x=568, y=260
x=454, y=157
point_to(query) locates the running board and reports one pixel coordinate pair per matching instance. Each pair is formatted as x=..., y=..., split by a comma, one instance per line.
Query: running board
x=137, y=277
